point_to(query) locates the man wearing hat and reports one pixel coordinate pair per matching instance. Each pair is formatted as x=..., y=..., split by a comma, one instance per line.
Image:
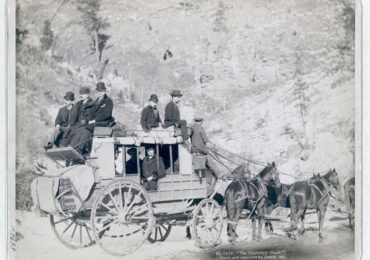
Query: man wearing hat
x=82, y=114
x=152, y=169
x=172, y=114
x=103, y=107
x=199, y=146
x=150, y=118
x=62, y=123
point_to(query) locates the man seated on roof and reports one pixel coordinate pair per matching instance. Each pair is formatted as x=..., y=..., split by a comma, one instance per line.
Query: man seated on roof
x=152, y=169
x=172, y=116
x=83, y=112
x=199, y=146
x=62, y=128
x=150, y=118
x=103, y=107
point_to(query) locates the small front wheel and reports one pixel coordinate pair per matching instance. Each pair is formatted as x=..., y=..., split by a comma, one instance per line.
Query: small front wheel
x=207, y=223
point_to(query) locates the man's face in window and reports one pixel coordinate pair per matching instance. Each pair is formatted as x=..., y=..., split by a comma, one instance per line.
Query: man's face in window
x=150, y=152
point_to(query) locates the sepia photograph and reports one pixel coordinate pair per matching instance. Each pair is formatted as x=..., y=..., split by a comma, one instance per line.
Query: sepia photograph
x=185, y=129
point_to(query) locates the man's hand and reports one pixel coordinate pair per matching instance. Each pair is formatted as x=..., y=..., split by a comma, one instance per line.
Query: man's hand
x=57, y=126
x=149, y=178
x=91, y=122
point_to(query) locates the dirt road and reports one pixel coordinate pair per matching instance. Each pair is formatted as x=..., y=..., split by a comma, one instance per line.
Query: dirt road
x=39, y=243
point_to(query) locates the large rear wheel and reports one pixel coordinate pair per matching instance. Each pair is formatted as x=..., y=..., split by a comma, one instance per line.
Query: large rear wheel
x=122, y=217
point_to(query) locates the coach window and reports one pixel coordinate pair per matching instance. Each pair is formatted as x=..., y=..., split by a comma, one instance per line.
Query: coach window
x=169, y=154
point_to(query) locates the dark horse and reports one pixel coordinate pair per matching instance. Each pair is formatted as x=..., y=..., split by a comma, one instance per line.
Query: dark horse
x=252, y=195
x=314, y=194
x=349, y=198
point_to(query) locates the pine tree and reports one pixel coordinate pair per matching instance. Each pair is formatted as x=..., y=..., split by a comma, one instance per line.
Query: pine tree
x=92, y=22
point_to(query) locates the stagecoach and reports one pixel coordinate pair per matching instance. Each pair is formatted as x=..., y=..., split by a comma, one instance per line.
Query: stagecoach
x=99, y=199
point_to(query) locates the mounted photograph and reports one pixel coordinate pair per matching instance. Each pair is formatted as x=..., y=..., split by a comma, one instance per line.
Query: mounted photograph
x=185, y=129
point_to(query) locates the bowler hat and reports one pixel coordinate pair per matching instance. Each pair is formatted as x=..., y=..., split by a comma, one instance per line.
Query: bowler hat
x=176, y=93
x=84, y=90
x=100, y=87
x=154, y=98
x=149, y=147
x=69, y=96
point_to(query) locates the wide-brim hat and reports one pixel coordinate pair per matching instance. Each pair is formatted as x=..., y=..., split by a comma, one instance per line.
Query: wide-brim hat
x=84, y=90
x=100, y=87
x=69, y=96
x=176, y=93
x=154, y=98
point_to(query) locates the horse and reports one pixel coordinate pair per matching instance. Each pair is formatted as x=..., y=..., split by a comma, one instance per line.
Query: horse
x=314, y=194
x=252, y=195
x=349, y=197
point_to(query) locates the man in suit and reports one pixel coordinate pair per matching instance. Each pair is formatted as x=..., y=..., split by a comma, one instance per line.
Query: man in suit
x=172, y=115
x=150, y=118
x=82, y=114
x=62, y=123
x=103, y=107
x=152, y=169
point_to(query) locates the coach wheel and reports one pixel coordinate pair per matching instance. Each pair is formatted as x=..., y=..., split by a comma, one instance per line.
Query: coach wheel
x=207, y=223
x=160, y=232
x=122, y=217
x=73, y=233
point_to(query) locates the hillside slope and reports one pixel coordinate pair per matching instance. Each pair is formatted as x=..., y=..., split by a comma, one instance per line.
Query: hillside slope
x=273, y=79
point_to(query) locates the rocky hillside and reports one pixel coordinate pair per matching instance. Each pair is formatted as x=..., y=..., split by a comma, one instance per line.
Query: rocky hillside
x=273, y=79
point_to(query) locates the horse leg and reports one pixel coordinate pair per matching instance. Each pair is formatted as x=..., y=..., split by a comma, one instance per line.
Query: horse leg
x=233, y=213
x=302, y=223
x=321, y=213
x=268, y=227
x=261, y=221
x=293, y=216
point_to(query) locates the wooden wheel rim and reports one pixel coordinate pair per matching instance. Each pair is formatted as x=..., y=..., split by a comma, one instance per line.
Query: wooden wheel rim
x=122, y=214
x=80, y=232
x=207, y=219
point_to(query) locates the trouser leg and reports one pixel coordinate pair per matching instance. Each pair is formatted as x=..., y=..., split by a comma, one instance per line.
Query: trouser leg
x=184, y=129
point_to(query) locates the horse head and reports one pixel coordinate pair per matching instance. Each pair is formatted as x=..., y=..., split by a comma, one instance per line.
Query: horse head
x=332, y=179
x=270, y=174
x=315, y=178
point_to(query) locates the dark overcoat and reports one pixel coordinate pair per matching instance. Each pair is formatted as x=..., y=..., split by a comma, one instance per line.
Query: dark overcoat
x=150, y=118
x=199, y=139
x=172, y=115
x=103, y=109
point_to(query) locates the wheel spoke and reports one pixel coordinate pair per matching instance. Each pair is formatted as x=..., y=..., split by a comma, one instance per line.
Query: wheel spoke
x=113, y=200
x=132, y=203
x=120, y=196
x=107, y=226
x=88, y=234
x=134, y=212
x=65, y=230
x=108, y=208
x=155, y=236
x=164, y=227
x=160, y=232
x=80, y=235
x=62, y=220
x=73, y=233
x=127, y=195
